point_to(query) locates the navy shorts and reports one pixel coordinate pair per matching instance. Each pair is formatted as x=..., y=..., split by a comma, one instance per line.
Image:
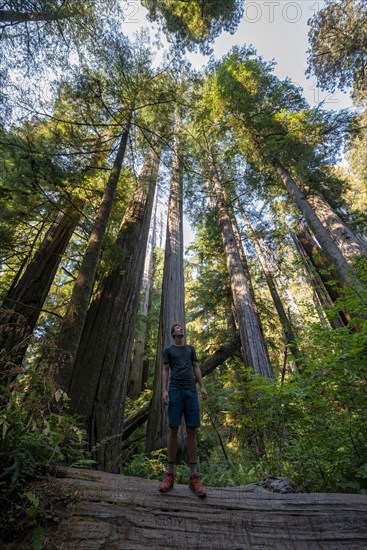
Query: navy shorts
x=183, y=401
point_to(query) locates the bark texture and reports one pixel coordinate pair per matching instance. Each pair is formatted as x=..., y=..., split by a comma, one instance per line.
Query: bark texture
x=349, y=244
x=136, y=378
x=106, y=511
x=173, y=295
x=74, y=318
x=24, y=301
x=103, y=359
x=330, y=250
x=253, y=345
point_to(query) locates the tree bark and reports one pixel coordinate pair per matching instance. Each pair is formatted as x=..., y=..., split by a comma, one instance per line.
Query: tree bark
x=227, y=350
x=242, y=254
x=99, y=510
x=289, y=335
x=24, y=301
x=74, y=318
x=349, y=244
x=173, y=294
x=137, y=365
x=103, y=358
x=330, y=249
x=253, y=345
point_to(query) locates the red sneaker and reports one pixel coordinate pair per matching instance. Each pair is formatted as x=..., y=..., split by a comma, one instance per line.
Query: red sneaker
x=196, y=486
x=167, y=483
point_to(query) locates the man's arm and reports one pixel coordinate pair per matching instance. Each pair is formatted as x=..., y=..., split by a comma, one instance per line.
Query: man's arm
x=199, y=378
x=165, y=375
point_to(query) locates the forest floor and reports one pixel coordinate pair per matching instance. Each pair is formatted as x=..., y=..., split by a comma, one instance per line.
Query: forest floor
x=92, y=510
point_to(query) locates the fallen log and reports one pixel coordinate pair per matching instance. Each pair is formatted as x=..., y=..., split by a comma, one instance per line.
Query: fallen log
x=135, y=420
x=99, y=511
x=224, y=352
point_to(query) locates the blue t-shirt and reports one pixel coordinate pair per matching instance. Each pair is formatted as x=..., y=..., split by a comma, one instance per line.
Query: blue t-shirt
x=180, y=359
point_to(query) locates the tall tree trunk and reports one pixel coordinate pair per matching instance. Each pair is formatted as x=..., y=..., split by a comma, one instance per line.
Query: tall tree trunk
x=330, y=249
x=103, y=358
x=24, y=301
x=137, y=364
x=173, y=295
x=349, y=244
x=320, y=282
x=242, y=254
x=289, y=335
x=74, y=318
x=253, y=345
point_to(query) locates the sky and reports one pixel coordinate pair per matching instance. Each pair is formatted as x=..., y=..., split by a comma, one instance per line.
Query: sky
x=278, y=30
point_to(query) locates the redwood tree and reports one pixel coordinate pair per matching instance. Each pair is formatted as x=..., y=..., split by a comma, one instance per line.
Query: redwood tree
x=24, y=300
x=173, y=293
x=74, y=318
x=103, y=357
x=254, y=349
x=349, y=244
x=288, y=332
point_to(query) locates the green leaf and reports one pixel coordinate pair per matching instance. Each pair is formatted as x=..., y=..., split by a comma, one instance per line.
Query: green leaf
x=38, y=538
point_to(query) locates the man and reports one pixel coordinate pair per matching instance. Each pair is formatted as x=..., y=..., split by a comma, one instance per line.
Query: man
x=182, y=399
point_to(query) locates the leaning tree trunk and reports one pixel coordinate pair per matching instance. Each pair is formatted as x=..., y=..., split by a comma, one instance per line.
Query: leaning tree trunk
x=349, y=244
x=74, y=318
x=330, y=249
x=24, y=301
x=283, y=317
x=136, y=377
x=253, y=345
x=317, y=270
x=173, y=295
x=103, y=358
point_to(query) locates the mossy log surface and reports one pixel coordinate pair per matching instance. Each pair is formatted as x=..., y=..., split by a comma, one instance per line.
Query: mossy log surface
x=113, y=512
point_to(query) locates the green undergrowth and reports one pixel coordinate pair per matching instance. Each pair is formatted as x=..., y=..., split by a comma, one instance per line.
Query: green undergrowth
x=36, y=436
x=223, y=473
x=309, y=425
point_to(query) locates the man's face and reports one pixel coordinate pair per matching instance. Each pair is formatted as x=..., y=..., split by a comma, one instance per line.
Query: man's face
x=178, y=331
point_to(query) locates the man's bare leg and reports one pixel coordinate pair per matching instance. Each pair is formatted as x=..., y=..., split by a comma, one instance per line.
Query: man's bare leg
x=191, y=445
x=172, y=444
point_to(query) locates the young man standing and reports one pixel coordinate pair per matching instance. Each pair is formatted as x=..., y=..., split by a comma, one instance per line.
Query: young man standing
x=182, y=399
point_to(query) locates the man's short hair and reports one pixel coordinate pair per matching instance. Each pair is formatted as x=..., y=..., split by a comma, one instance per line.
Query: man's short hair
x=173, y=329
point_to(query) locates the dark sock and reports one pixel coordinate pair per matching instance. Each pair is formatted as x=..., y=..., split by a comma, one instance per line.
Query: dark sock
x=193, y=468
x=171, y=467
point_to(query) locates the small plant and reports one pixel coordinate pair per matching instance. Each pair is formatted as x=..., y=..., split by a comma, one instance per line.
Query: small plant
x=36, y=435
x=141, y=466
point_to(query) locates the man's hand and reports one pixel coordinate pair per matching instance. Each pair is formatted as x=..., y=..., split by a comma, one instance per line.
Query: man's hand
x=165, y=397
x=203, y=392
